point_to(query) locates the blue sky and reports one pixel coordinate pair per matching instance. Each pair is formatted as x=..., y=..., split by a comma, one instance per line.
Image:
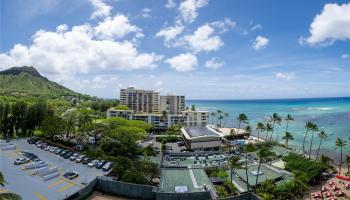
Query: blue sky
x=203, y=49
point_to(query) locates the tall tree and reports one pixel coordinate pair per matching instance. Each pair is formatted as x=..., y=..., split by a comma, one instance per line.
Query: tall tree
x=347, y=160
x=212, y=115
x=218, y=114
x=242, y=118
x=247, y=148
x=234, y=163
x=18, y=111
x=314, y=129
x=288, y=136
x=308, y=126
x=52, y=126
x=268, y=129
x=264, y=153
x=340, y=144
x=275, y=118
x=226, y=116
x=288, y=118
x=260, y=127
x=322, y=135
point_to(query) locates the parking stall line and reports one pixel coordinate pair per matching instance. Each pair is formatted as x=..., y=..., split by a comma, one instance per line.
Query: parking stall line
x=40, y=196
x=65, y=187
x=71, y=182
x=56, y=183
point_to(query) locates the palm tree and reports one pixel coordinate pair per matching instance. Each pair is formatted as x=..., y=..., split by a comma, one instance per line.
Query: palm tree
x=248, y=130
x=308, y=126
x=212, y=114
x=260, y=127
x=275, y=118
x=246, y=149
x=288, y=136
x=339, y=143
x=323, y=136
x=226, y=116
x=268, y=129
x=299, y=181
x=314, y=129
x=7, y=195
x=234, y=163
x=218, y=114
x=264, y=153
x=241, y=118
x=288, y=119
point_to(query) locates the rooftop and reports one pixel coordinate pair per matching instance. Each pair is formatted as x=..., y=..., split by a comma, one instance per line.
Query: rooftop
x=201, y=131
x=192, y=180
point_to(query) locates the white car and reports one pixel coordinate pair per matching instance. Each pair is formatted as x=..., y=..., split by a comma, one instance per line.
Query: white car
x=74, y=156
x=20, y=161
x=47, y=148
x=107, y=166
x=79, y=159
x=53, y=149
x=92, y=163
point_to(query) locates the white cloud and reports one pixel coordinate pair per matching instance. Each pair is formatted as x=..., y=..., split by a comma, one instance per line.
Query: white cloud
x=188, y=9
x=100, y=9
x=224, y=25
x=158, y=83
x=79, y=50
x=203, y=39
x=146, y=13
x=170, y=4
x=260, y=42
x=256, y=27
x=285, y=76
x=213, y=63
x=116, y=27
x=344, y=56
x=183, y=62
x=170, y=33
x=332, y=24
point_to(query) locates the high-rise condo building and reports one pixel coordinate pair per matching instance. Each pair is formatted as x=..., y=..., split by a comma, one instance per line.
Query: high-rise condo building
x=173, y=104
x=140, y=101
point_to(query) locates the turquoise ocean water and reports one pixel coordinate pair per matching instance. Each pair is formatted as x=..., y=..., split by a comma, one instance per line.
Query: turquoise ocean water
x=331, y=114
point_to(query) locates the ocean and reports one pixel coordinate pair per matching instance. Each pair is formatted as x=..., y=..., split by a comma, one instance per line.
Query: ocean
x=330, y=114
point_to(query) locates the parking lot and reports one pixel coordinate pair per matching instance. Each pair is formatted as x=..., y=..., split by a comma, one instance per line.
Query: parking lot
x=33, y=187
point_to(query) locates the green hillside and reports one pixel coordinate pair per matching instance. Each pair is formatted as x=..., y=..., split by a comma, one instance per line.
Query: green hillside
x=27, y=82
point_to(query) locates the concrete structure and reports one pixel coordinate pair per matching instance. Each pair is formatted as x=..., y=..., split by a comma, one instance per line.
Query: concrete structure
x=202, y=137
x=187, y=118
x=193, y=118
x=172, y=104
x=140, y=101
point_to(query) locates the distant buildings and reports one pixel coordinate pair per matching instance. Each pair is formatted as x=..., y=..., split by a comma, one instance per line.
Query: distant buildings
x=160, y=111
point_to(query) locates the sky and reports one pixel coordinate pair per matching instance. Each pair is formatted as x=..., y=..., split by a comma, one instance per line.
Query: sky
x=203, y=49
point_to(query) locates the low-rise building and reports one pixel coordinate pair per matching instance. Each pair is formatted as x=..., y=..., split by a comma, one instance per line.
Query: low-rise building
x=195, y=117
x=202, y=137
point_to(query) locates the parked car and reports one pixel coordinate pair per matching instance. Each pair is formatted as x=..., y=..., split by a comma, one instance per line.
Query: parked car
x=180, y=143
x=100, y=164
x=47, y=148
x=86, y=160
x=53, y=149
x=43, y=146
x=63, y=153
x=68, y=154
x=58, y=151
x=92, y=163
x=107, y=166
x=20, y=161
x=74, y=156
x=39, y=143
x=30, y=156
x=32, y=140
x=79, y=159
x=71, y=175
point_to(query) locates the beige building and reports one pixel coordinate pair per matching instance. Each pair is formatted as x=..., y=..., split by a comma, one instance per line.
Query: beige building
x=140, y=101
x=195, y=117
x=173, y=104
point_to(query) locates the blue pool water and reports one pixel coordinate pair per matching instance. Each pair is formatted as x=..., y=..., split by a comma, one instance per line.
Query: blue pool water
x=330, y=114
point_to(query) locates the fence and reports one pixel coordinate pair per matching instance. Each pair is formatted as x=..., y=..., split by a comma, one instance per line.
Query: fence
x=245, y=196
x=205, y=195
x=108, y=185
x=85, y=192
